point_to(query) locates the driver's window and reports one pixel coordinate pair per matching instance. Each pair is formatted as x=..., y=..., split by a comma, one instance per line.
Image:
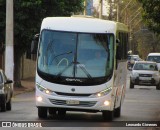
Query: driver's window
x=111, y=48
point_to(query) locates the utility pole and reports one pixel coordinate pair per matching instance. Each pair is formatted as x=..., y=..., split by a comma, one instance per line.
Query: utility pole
x=118, y=11
x=85, y=6
x=9, y=61
x=110, y=10
x=101, y=8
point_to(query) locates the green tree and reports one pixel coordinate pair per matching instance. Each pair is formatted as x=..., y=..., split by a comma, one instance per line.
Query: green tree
x=151, y=17
x=28, y=15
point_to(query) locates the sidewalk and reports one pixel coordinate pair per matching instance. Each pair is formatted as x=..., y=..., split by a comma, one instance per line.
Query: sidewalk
x=28, y=86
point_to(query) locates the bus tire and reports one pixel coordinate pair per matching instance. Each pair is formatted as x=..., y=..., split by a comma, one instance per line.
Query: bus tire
x=61, y=113
x=117, y=112
x=107, y=115
x=52, y=111
x=9, y=105
x=158, y=86
x=131, y=85
x=42, y=112
x=3, y=104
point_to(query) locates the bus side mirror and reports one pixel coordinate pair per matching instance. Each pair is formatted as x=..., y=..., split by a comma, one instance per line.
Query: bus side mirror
x=34, y=44
x=117, y=42
x=8, y=81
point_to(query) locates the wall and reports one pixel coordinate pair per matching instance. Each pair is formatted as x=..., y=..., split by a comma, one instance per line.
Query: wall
x=28, y=68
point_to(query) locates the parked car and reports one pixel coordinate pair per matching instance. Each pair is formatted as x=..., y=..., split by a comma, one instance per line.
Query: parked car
x=154, y=57
x=145, y=73
x=131, y=60
x=6, y=92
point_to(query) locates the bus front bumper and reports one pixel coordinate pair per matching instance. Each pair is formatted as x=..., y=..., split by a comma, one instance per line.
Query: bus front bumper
x=74, y=103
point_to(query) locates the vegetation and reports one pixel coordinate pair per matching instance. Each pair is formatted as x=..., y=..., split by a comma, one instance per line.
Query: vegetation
x=151, y=15
x=149, y=41
x=143, y=19
x=28, y=15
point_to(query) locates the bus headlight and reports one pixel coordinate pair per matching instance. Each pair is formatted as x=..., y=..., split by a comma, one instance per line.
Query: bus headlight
x=102, y=93
x=45, y=90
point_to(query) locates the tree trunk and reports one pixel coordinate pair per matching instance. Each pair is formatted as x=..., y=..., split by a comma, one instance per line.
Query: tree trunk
x=17, y=67
x=154, y=44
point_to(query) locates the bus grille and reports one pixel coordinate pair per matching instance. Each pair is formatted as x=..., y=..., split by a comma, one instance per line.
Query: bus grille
x=73, y=94
x=81, y=103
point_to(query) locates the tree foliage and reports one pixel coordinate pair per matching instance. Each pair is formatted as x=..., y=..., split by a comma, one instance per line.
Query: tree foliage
x=151, y=16
x=28, y=15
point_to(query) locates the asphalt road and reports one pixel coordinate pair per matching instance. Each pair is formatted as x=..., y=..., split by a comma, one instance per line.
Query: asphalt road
x=141, y=104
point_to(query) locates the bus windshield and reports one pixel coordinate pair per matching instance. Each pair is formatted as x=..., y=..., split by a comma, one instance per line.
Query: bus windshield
x=75, y=55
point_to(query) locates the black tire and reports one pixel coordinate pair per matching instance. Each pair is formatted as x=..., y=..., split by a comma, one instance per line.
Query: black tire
x=52, y=111
x=158, y=86
x=61, y=113
x=131, y=85
x=117, y=112
x=3, y=104
x=107, y=115
x=42, y=112
x=9, y=105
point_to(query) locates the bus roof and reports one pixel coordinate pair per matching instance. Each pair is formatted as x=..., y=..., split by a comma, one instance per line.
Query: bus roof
x=79, y=24
x=122, y=27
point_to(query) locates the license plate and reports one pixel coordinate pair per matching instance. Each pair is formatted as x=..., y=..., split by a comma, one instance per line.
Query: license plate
x=72, y=102
x=145, y=78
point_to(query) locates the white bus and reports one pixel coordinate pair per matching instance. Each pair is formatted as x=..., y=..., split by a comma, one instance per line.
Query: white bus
x=81, y=66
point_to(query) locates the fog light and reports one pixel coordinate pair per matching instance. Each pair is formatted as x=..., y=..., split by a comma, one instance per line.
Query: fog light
x=106, y=103
x=39, y=99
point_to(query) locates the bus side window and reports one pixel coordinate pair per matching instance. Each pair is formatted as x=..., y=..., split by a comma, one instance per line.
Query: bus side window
x=118, y=54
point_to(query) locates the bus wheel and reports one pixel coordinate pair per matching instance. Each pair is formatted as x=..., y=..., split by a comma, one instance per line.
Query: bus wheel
x=61, y=113
x=131, y=85
x=117, y=112
x=52, y=111
x=158, y=86
x=3, y=104
x=42, y=112
x=107, y=115
x=9, y=105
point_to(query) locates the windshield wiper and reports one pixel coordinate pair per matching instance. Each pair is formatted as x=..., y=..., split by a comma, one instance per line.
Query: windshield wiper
x=61, y=72
x=55, y=57
x=84, y=70
x=75, y=63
